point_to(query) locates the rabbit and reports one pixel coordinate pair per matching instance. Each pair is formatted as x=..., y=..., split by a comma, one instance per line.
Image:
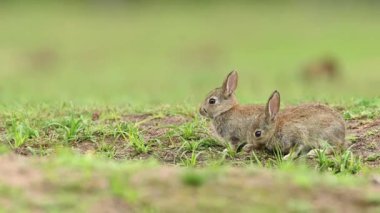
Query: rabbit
x=229, y=119
x=302, y=129
x=326, y=68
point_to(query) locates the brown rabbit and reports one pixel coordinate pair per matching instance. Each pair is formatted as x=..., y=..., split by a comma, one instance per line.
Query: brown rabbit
x=325, y=68
x=230, y=120
x=301, y=128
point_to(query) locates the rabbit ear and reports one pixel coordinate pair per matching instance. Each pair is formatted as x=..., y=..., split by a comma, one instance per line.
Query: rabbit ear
x=273, y=106
x=230, y=83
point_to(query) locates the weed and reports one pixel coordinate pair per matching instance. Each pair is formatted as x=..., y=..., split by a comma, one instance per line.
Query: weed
x=131, y=133
x=229, y=151
x=107, y=150
x=19, y=132
x=192, y=160
x=72, y=128
x=344, y=162
x=279, y=158
x=256, y=159
x=191, y=145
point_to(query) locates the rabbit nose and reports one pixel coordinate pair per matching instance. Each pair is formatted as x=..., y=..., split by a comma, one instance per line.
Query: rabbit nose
x=202, y=111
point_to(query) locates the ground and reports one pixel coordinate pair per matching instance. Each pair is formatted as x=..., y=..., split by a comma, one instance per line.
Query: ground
x=37, y=185
x=120, y=159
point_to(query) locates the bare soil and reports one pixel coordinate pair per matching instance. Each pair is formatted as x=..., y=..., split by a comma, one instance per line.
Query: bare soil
x=366, y=140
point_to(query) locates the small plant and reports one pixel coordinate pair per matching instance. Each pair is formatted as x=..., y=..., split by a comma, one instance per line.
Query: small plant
x=107, y=150
x=19, y=132
x=191, y=145
x=192, y=160
x=256, y=159
x=344, y=162
x=132, y=133
x=279, y=159
x=230, y=151
x=72, y=128
x=194, y=130
x=136, y=140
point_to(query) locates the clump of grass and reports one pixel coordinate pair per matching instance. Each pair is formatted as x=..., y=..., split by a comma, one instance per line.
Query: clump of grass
x=346, y=162
x=19, y=132
x=73, y=128
x=191, y=145
x=229, y=151
x=278, y=159
x=256, y=159
x=132, y=133
x=190, y=131
x=107, y=150
x=191, y=161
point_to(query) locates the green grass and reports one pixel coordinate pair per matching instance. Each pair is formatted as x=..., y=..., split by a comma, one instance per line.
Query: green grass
x=192, y=49
x=19, y=132
x=345, y=162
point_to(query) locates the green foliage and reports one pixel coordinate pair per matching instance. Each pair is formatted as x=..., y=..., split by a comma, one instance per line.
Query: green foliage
x=73, y=128
x=108, y=150
x=19, y=132
x=131, y=132
x=192, y=160
x=346, y=162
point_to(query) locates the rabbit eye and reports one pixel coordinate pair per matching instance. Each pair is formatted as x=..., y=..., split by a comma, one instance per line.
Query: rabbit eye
x=212, y=101
x=258, y=133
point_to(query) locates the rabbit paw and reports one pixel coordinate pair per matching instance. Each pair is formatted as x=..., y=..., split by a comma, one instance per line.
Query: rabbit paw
x=312, y=153
x=287, y=157
x=247, y=148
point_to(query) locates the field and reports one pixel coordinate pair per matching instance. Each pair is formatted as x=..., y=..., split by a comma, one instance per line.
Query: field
x=99, y=105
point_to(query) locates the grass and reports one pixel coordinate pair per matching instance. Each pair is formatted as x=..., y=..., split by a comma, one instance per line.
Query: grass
x=131, y=133
x=19, y=132
x=73, y=128
x=346, y=162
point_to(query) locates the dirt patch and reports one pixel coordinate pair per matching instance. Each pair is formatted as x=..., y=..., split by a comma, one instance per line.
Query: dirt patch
x=85, y=147
x=160, y=126
x=365, y=136
x=154, y=126
x=260, y=191
x=16, y=171
x=111, y=206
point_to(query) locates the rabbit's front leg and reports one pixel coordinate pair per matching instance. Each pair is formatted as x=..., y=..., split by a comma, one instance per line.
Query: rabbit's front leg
x=295, y=154
x=248, y=148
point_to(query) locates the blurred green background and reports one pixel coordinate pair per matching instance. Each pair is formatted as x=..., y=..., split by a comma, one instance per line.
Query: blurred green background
x=145, y=52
